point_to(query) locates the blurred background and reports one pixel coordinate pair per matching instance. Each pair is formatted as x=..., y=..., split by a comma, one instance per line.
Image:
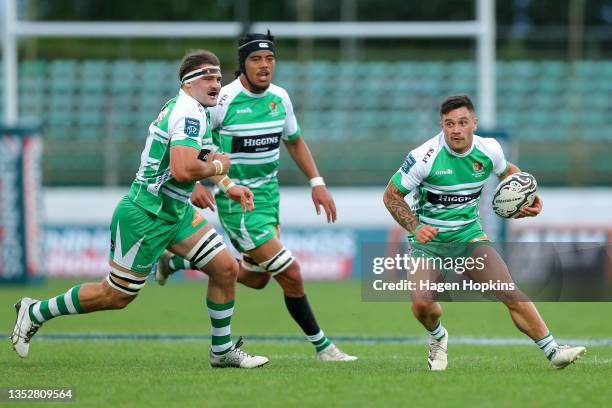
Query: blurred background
x=364, y=96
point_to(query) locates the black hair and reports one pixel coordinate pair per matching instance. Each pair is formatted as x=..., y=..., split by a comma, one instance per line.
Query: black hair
x=454, y=102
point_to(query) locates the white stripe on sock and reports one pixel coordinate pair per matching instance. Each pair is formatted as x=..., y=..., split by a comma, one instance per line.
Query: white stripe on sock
x=221, y=331
x=316, y=337
x=550, y=347
x=543, y=341
x=220, y=314
x=53, y=307
x=37, y=314
x=439, y=332
x=221, y=348
x=68, y=301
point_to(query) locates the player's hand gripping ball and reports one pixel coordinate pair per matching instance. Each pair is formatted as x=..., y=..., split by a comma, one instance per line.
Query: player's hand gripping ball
x=514, y=193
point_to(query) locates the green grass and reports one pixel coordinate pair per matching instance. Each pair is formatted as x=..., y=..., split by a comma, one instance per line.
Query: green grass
x=176, y=373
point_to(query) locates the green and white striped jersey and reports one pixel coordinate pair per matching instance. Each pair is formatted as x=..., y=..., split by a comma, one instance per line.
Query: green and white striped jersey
x=249, y=128
x=182, y=121
x=447, y=185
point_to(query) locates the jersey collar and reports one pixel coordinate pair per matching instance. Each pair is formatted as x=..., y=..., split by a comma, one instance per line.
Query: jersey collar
x=251, y=94
x=454, y=153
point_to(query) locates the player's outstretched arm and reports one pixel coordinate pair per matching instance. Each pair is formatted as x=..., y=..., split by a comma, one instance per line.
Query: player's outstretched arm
x=403, y=215
x=299, y=151
x=536, y=207
x=185, y=165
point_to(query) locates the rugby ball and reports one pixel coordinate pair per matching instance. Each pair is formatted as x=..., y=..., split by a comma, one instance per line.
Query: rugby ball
x=514, y=193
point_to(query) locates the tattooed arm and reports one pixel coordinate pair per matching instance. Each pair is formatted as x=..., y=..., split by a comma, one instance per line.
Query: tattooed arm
x=399, y=209
x=401, y=212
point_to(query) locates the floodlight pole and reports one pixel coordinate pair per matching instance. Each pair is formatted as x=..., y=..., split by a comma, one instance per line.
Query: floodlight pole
x=9, y=63
x=485, y=15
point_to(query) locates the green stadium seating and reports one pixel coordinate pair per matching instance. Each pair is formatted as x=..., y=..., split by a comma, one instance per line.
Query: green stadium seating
x=364, y=101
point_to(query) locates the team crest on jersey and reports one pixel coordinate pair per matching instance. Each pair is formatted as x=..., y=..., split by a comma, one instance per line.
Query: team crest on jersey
x=192, y=127
x=408, y=163
x=274, y=108
x=478, y=169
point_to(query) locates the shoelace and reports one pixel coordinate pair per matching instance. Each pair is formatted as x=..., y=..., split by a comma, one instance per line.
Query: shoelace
x=237, y=351
x=561, y=348
x=28, y=336
x=30, y=333
x=435, y=348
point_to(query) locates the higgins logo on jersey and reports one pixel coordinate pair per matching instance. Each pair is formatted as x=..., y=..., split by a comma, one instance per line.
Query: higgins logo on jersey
x=449, y=199
x=256, y=144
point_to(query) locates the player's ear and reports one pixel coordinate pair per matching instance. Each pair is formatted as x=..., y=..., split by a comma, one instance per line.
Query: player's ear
x=475, y=123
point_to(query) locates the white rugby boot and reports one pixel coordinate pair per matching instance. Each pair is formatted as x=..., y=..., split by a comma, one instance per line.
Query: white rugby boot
x=236, y=358
x=566, y=355
x=163, y=271
x=333, y=353
x=437, y=359
x=24, y=328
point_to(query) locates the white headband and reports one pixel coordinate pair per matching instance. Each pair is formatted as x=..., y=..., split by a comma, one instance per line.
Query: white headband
x=211, y=71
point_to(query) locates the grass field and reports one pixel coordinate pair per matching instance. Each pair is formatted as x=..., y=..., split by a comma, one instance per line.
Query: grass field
x=147, y=370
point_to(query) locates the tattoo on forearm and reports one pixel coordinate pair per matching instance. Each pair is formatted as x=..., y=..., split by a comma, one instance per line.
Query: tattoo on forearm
x=399, y=209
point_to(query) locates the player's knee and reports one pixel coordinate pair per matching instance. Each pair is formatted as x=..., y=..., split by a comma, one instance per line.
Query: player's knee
x=116, y=299
x=293, y=273
x=227, y=271
x=120, y=302
x=291, y=280
x=422, y=308
x=259, y=280
x=513, y=299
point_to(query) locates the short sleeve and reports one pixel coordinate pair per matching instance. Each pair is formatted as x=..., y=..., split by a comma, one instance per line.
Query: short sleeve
x=410, y=174
x=496, y=153
x=291, y=130
x=186, y=129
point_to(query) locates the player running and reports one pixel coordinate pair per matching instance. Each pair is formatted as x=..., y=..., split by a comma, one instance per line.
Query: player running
x=456, y=163
x=156, y=214
x=252, y=117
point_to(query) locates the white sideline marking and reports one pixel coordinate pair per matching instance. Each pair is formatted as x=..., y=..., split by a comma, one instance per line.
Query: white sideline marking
x=467, y=340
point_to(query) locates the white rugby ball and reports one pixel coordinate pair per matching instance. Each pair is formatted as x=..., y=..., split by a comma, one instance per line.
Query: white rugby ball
x=514, y=193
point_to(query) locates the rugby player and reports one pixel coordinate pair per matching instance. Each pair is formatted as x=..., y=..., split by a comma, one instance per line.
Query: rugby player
x=251, y=119
x=156, y=214
x=456, y=163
